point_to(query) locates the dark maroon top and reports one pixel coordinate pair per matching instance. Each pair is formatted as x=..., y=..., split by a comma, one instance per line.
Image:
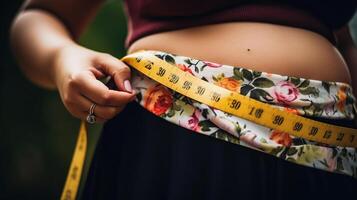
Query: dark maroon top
x=146, y=17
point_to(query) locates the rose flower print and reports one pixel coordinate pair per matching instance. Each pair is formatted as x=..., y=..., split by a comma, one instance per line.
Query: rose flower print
x=158, y=99
x=285, y=92
x=229, y=83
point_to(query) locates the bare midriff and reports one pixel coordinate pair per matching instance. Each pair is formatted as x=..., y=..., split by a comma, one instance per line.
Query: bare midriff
x=264, y=47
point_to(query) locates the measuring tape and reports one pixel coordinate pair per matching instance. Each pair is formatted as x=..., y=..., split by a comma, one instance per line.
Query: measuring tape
x=239, y=105
x=219, y=98
x=75, y=170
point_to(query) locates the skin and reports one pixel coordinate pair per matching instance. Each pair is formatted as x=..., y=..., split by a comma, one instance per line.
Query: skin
x=49, y=30
x=44, y=34
x=259, y=46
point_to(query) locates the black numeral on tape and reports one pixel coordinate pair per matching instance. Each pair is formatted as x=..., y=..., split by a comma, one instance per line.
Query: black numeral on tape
x=313, y=131
x=148, y=65
x=278, y=120
x=138, y=59
x=340, y=136
x=257, y=112
x=327, y=134
x=187, y=85
x=235, y=104
x=298, y=126
x=174, y=78
x=216, y=97
x=161, y=72
x=200, y=90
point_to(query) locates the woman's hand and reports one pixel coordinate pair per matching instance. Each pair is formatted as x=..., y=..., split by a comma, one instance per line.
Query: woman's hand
x=42, y=39
x=76, y=71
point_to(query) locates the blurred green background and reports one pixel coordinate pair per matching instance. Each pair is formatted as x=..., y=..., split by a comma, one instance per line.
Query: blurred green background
x=37, y=134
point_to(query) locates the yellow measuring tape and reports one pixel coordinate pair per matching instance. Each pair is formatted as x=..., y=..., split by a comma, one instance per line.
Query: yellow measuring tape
x=222, y=99
x=75, y=170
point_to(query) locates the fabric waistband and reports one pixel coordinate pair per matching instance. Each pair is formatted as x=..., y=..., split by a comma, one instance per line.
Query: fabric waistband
x=306, y=97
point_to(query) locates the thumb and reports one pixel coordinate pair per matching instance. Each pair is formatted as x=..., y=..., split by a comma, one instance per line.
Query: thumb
x=116, y=69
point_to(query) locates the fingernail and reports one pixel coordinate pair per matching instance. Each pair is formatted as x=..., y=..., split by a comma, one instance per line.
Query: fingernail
x=127, y=86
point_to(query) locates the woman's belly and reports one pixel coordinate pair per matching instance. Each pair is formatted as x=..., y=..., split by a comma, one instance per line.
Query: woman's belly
x=260, y=46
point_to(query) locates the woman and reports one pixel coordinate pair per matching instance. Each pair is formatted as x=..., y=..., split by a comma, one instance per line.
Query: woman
x=142, y=156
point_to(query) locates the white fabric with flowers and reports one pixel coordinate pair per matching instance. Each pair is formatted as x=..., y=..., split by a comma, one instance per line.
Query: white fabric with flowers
x=310, y=98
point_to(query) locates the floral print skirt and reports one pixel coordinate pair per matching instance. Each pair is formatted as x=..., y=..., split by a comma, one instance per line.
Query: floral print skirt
x=309, y=98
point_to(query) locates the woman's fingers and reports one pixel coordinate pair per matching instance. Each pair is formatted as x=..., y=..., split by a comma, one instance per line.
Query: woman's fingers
x=77, y=112
x=115, y=68
x=90, y=87
x=81, y=105
x=76, y=70
x=105, y=112
x=79, y=87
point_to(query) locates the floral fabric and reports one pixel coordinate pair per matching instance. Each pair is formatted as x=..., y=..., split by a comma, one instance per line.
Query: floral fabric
x=333, y=100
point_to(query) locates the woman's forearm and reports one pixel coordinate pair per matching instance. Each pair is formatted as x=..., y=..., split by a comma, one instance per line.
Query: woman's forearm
x=36, y=35
x=43, y=27
x=42, y=39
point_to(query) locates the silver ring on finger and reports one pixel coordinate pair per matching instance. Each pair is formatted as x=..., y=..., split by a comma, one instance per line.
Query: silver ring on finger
x=91, y=119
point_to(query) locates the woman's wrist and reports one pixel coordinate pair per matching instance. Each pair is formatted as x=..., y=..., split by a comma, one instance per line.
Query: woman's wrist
x=36, y=37
x=58, y=62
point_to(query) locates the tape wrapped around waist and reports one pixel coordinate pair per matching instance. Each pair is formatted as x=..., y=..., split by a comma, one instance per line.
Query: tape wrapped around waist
x=296, y=97
x=258, y=110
